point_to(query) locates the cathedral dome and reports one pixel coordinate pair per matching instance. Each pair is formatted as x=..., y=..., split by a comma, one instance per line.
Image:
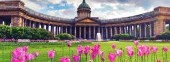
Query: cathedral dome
x=83, y=5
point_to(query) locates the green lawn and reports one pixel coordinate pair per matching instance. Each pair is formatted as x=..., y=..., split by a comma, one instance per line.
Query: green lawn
x=63, y=50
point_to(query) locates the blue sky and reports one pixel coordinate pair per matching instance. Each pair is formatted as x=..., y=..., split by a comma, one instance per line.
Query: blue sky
x=105, y=9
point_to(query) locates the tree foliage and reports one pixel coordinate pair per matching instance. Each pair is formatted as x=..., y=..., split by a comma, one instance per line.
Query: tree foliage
x=64, y=36
x=123, y=37
x=23, y=33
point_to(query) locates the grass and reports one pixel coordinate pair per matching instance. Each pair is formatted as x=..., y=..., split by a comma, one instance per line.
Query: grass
x=62, y=50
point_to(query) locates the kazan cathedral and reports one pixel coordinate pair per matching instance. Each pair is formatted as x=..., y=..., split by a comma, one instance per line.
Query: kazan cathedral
x=83, y=26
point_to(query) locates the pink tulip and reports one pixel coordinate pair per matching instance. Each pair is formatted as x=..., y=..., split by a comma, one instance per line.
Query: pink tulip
x=16, y=60
x=29, y=57
x=165, y=49
x=146, y=50
x=25, y=48
x=76, y=58
x=64, y=59
x=130, y=51
x=95, y=51
x=154, y=49
x=136, y=42
x=18, y=54
x=86, y=50
x=140, y=52
x=112, y=57
x=80, y=49
x=102, y=56
x=93, y=55
x=35, y=54
x=113, y=46
x=51, y=54
x=119, y=52
x=69, y=44
x=143, y=50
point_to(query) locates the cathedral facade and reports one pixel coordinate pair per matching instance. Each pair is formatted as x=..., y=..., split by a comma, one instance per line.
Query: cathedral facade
x=83, y=26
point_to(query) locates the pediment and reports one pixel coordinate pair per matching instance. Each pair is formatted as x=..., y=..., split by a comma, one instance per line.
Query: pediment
x=87, y=20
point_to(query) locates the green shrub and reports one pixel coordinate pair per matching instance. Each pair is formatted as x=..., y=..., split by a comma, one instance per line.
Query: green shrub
x=64, y=36
x=24, y=33
x=164, y=36
x=123, y=37
x=4, y=31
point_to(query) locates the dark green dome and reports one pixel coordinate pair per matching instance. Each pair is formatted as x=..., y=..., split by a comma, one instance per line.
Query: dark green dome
x=84, y=5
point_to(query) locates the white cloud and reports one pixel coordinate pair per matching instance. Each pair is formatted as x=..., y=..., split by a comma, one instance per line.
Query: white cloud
x=32, y=5
x=54, y=1
x=62, y=13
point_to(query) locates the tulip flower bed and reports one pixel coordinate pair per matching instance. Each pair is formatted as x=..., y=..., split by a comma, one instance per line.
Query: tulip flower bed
x=85, y=52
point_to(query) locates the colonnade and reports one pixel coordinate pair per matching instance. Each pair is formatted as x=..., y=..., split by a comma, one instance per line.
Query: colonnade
x=142, y=30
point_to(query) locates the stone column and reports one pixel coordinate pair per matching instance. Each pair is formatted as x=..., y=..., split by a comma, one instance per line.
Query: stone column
x=135, y=29
x=115, y=30
x=150, y=30
x=140, y=30
x=84, y=32
x=17, y=21
x=159, y=25
x=111, y=31
x=52, y=29
x=56, y=30
x=130, y=29
x=120, y=30
x=89, y=32
x=94, y=32
x=79, y=31
x=102, y=33
x=125, y=29
x=75, y=31
x=25, y=22
x=106, y=32
x=62, y=29
x=145, y=32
